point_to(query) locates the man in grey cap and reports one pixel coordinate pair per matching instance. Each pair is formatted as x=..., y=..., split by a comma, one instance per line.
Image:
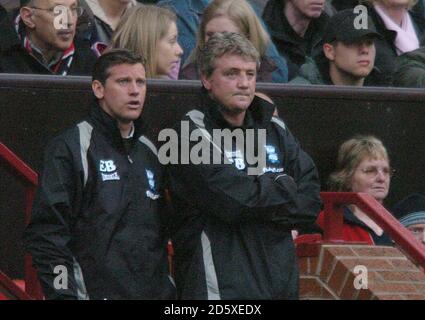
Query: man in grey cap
x=348, y=54
x=411, y=213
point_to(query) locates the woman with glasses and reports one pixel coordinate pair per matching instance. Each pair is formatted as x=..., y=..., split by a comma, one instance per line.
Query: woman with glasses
x=362, y=166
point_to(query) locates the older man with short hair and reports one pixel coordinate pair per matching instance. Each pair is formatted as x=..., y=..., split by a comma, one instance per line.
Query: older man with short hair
x=235, y=208
x=41, y=40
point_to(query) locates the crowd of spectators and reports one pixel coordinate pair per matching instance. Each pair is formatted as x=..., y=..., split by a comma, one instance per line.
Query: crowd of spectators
x=292, y=36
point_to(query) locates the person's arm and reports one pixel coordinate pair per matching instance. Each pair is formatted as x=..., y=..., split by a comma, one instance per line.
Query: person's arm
x=302, y=168
x=233, y=196
x=48, y=236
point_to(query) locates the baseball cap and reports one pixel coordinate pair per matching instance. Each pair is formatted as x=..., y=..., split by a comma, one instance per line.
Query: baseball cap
x=346, y=26
x=410, y=210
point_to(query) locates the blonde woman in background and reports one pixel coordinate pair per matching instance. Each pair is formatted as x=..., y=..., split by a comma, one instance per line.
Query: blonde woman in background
x=151, y=31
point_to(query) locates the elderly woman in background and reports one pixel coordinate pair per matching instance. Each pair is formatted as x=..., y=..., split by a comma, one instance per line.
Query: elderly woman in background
x=236, y=16
x=402, y=32
x=362, y=166
x=151, y=31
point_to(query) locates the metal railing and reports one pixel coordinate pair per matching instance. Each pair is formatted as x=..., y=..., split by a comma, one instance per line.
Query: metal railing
x=29, y=179
x=12, y=288
x=334, y=203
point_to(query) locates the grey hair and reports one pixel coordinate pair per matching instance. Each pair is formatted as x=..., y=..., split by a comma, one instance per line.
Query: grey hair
x=222, y=43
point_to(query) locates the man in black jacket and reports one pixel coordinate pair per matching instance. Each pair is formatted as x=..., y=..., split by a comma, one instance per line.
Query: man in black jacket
x=234, y=209
x=41, y=40
x=97, y=221
x=348, y=54
x=296, y=28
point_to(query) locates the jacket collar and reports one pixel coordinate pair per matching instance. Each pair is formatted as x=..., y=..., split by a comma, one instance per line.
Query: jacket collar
x=108, y=126
x=388, y=35
x=352, y=219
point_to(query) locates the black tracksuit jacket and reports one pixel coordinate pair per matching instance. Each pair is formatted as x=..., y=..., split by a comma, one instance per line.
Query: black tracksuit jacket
x=232, y=231
x=98, y=213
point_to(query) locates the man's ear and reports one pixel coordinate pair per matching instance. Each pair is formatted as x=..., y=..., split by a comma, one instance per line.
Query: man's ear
x=329, y=51
x=98, y=89
x=27, y=17
x=205, y=82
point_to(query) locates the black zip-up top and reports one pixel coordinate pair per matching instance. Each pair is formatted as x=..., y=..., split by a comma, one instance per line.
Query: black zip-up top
x=232, y=230
x=290, y=45
x=98, y=215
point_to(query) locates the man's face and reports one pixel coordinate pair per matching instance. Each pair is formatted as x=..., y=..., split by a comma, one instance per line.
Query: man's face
x=123, y=94
x=418, y=230
x=52, y=31
x=309, y=8
x=355, y=59
x=232, y=83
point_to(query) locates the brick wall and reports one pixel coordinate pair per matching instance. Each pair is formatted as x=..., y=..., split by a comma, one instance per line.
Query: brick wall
x=383, y=273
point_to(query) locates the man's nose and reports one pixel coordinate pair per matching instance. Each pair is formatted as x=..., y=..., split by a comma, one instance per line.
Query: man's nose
x=133, y=88
x=423, y=237
x=243, y=81
x=72, y=18
x=364, y=48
